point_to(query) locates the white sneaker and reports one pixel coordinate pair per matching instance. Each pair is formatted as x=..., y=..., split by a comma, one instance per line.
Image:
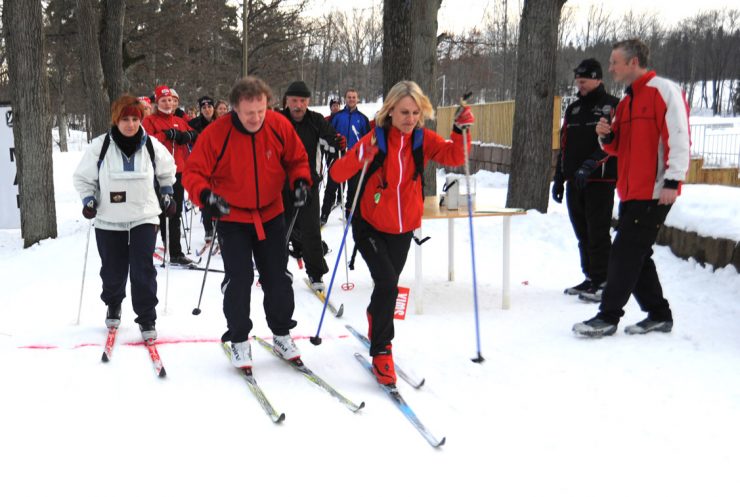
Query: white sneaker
x=285, y=347
x=241, y=354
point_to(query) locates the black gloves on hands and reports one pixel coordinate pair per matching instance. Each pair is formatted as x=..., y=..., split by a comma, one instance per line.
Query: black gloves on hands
x=169, y=207
x=214, y=206
x=180, y=137
x=300, y=193
x=558, y=186
x=90, y=209
x=583, y=172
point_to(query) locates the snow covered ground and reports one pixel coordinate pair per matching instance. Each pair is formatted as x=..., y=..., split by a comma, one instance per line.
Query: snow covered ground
x=546, y=414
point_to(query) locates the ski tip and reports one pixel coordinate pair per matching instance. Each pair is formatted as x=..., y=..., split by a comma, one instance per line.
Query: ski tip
x=280, y=418
x=440, y=443
x=421, y=383
x=105, y=357
x=340, y=311
x=362, y=404
x=162, y=373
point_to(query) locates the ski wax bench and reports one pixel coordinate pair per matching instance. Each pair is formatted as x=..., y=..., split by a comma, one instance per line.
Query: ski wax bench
x=432, y=210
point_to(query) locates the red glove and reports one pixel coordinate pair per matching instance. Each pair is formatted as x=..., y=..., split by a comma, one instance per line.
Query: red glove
x=464, y=117
x=366, y=153
x=341, y=141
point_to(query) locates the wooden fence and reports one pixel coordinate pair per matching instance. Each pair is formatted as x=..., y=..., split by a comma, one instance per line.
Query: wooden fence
x=712, y=176
x=494, y=122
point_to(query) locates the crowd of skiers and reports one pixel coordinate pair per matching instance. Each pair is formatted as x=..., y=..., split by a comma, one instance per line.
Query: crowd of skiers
x=255, y=173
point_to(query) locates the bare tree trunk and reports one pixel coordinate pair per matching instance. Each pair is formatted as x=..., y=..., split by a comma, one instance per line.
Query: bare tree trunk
x=62, y=119
x=98, y=103
x=410, y=52
x=535, y=90
x=32, y=129
x=111, y=48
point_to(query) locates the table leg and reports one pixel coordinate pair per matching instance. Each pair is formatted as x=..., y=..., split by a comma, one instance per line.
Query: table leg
x=451, y=249
x=419, y=284
x=506, y=297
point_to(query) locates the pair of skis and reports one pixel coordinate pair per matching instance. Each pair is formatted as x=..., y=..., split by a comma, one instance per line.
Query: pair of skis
x=297, y=365
x=151, y=347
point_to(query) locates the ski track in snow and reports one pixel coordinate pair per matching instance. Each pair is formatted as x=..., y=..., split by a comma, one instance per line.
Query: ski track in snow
x=545, y=414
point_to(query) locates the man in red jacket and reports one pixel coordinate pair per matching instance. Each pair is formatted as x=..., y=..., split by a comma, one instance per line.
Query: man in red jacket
x=175, y=134
x=236, y=174
x=650, y=136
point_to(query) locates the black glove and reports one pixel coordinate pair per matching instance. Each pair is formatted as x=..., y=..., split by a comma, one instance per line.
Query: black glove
x=558, y=188
x=214, y=206
x=169, y=206
x=173, y=134
x=90, y=209
x=300, y=193
x=186, y=137
x=583, y=172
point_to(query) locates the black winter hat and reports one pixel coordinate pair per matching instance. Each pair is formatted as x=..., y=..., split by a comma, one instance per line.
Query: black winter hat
x=298, y=89
x=205, y=99
x=589, y=69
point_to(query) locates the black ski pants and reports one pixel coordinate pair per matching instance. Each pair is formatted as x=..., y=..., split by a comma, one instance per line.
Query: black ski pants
x=239, y=243
x=385, y=255
x=175, y=249
x=631, y=267
x=590, y=211
x=332, y=196
x=307, y=231
x=124, y=253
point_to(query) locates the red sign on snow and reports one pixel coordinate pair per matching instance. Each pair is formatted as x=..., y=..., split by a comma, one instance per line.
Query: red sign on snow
x=402, y=301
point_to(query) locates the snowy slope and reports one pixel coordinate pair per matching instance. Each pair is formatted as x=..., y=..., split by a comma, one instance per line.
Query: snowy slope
x=545, y=414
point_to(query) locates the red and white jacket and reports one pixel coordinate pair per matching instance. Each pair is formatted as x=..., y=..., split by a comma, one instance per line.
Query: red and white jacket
x=247, y=169
x=156, y=124
x=392, y=201
x=651, y=138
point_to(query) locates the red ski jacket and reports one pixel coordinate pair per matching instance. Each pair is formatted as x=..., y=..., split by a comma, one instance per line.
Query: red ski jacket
x=392, y=200
x=651, y=138
x=247, y=169
x=156, y=124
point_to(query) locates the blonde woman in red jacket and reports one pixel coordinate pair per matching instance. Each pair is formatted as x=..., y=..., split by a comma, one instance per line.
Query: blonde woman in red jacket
x=391, y=204
x=176, y=135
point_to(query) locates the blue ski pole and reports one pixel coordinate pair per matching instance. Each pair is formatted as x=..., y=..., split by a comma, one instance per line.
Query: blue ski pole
x=316, y=340
x=466, y=140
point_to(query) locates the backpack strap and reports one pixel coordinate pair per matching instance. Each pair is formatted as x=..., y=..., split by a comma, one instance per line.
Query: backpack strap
x=417, y=143
x=150, y=149
x=103, y=150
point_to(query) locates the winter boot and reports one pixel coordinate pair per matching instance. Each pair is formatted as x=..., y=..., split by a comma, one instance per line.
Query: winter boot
x=581, y=287
x=284, y=346
x=241, y=354
x=148, y=331
x=316, y=284
x=180, y=260
x=594, y=328
x=648, y=326
x=113, y=316
x=593, y=293
x=383, y=368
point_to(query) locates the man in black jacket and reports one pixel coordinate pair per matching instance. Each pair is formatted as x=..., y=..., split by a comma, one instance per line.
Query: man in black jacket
x=318, y=137
x=590, y=175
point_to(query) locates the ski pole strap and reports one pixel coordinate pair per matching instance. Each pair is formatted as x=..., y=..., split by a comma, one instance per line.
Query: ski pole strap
x=423, y=240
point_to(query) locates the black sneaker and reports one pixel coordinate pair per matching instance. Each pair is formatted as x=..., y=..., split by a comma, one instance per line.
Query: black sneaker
x=113, y=316
x=593, y=293
x=594, y=328
x=180, y=260
x=648, y=326
x=581, y=287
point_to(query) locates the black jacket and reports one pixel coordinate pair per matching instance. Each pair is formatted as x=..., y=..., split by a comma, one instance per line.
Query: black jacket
x=199, y=123
x=317, y=136
x=578, y=139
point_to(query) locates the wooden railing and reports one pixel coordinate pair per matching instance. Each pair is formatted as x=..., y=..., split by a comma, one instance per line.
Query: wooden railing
x=727, y=176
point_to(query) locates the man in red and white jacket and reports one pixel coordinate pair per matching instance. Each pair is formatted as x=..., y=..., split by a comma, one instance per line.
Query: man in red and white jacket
x=176, y=135
x=650, y=136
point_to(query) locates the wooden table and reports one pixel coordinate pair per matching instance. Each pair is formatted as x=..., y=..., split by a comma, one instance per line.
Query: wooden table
x=432, y=210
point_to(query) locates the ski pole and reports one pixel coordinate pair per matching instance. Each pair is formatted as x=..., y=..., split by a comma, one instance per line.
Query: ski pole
x=166, y=260
x=315, y=339
x=84, y=270
x=292, y=224
x=347, y=285
x=196, y=311
x=466, y=136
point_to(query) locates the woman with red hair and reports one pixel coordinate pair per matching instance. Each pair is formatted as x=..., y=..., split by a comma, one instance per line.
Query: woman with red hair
x=122, y=178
